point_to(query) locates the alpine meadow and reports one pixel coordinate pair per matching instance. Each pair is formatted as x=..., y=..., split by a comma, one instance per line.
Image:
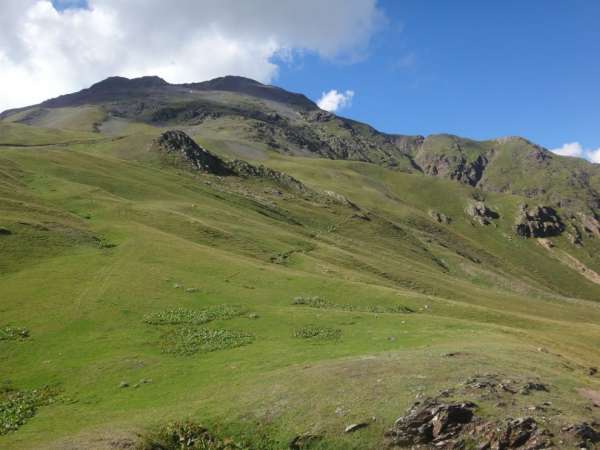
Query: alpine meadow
x=224, y=264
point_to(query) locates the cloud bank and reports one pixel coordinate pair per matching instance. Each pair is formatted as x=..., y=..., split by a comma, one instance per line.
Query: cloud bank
x=333, y=100
x=44, y=52
x=575, y=149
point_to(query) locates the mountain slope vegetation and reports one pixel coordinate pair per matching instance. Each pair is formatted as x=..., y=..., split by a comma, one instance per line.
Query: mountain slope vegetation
x=227, y=253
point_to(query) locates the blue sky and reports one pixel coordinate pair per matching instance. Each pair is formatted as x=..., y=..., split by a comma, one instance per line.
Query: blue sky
x=474, y=68
x=469, y=67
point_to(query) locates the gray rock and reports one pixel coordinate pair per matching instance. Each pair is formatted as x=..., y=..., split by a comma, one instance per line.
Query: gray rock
x=538, y=222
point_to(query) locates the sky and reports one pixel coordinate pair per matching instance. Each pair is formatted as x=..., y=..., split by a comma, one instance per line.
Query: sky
x=474, y=68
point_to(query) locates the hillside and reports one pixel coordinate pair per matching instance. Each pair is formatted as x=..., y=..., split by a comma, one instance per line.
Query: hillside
x=226, y=252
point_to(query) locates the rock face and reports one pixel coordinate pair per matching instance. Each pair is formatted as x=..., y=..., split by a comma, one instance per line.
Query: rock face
x=538, y=222
x=430, y=422
x=246, y=170
x=453, y=167
x=480, y=213
x=179, y=143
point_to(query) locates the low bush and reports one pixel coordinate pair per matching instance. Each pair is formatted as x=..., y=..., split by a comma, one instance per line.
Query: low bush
x=16, y=407
x=13, y=333
x=190, y=340
x=317, y=333
x=181, y=316
x=318, y=302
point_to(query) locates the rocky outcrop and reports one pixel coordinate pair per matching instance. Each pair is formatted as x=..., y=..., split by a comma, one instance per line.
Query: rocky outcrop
x=538, y=222
x=439, y=217
x=178, y=143
x=247, y=170
x=454, y=167
x=431, y=424
x=480, y=213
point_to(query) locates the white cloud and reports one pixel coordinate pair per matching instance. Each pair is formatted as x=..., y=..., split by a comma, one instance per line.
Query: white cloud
x=575, y=149
x=334, y=100
x=44, y=53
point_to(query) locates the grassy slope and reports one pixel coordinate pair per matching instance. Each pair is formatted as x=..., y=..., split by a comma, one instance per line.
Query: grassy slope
x=84, y=301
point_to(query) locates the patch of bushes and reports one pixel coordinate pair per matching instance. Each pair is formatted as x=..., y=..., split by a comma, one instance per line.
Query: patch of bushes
x=182, y=316
x=187, y=435
x=314, y=332
x=16, y=407
x=318, y=302
x=190, y=340
x=184, y=436
x=13, y=333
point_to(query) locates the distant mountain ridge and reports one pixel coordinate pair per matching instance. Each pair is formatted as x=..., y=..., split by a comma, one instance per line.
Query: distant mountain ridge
x=290, y=123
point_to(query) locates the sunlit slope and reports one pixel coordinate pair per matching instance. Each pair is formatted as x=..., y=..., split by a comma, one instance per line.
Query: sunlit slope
x=102, y=234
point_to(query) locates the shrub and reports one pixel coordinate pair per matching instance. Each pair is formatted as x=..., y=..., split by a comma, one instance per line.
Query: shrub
x=183, y=436
x=317, y=333
x=318, y=302
x=16, y=407
x=181, y=316
x=190, y=340
x=13, y=333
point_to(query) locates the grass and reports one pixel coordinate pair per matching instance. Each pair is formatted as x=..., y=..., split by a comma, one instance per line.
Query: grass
x=502, y=305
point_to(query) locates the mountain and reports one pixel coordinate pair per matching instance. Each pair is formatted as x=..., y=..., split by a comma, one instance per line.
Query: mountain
x=227, y=256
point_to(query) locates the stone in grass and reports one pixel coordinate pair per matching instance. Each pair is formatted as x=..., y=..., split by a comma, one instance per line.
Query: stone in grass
x=5, y=231
x=191, y=290
x=355, y=427
x=123, y=384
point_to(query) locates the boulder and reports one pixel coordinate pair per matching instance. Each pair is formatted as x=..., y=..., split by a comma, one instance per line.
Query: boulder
x=430, y=421
x=480, y=213
x=538, y=222
x=439, y=217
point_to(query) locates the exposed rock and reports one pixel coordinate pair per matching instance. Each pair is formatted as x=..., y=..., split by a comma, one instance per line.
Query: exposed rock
x=341, y=199
x=584, y=433
x=430, y=421
x=303, y=441
x=439, y=217
x=590, y=224
x=179, y=143
x=533, y=386
x=480, y=213
x=521, y=433
x=355, y=426
x=244, y=169
x=538, y=222
x=454, y=163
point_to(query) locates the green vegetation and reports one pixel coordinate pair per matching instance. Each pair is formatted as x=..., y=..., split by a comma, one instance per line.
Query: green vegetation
x=187, y=316
x=99, y=228
x=189, y=340
x=317, y=333
x=13, y=333
x=317, y=302
x=17, y=407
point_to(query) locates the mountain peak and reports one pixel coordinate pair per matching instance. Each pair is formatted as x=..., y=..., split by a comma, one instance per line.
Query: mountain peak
x=128, y=83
